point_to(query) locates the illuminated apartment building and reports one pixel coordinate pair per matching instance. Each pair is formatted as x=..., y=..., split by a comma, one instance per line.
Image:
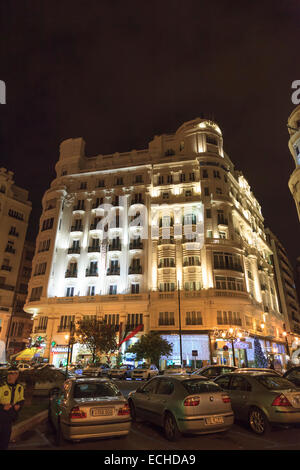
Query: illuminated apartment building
x=180, y=215
x=15, y=209
x=294, y=147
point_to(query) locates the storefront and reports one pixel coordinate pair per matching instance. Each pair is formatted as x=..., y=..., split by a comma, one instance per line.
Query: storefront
x=222, y=352
x=59, y=355
x=195, y=350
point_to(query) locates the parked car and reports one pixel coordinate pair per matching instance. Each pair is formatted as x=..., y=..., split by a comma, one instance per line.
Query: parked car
x=89, y=408
x=293, y=375
x=262, y=399
x=174, y=370
x=99, y=370
x=211, y=372
x=144, y=372
x=257, y=369
x=182, y=404
x=50, y=379
x=122, y=372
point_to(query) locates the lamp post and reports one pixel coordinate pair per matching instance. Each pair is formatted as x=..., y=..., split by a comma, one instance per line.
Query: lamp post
x=70, y=337
x=180, y=336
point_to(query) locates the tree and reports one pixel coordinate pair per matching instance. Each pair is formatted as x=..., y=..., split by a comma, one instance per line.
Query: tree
x=98, y=336
x=259, y=357
x=151, y=346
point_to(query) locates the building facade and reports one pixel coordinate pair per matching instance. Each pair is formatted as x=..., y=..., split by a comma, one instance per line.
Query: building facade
x=294, y=147
x=287, y=293
x=15, y=209
x=170, y=238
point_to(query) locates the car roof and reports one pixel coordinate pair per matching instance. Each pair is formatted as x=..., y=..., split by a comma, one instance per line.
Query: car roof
x=181, y=377
x=249, y=374
x=89, y=379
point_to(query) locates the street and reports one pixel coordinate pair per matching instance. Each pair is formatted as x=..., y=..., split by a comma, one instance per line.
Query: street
x=146, y=436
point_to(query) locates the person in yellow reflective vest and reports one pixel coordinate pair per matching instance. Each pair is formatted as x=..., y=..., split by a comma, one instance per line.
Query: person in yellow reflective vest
x=11, y=401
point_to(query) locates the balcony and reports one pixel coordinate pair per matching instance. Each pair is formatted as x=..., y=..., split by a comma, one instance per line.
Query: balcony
x=13, y=233
x=74, y=251
x=222, y=221
x=91, y=272
x=229, y=267
x=95, y=226
x=39, y=329
x=116, y=247
x=171, y=265
x=7, y=287
x=190, y=263
x=133, y=326
x=135, y=246
x=94, y=249
x=166, y=241
x=6, y=268
x=76, y=228
x=69, y=273
x=135, y=270
x=235, y=322
x=113, y=272
x=8, y=249
x=64, y=328
x=78, y=209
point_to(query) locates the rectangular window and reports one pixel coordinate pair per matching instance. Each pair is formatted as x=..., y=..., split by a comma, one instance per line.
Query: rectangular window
x=204, y=174
x=206, y=191
x=36, y=293
x=193, y=318
x=208, y=213
x=70, y=292
x=113, y=289
x=166, y=319
x=47, y=224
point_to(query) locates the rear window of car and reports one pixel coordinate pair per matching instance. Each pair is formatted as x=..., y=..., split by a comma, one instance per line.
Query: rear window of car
x=95, y=390
x=274, y=382
x=200, y=386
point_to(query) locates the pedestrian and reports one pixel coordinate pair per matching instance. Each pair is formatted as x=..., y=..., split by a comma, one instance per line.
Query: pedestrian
x=243, y=364
x=11, y=401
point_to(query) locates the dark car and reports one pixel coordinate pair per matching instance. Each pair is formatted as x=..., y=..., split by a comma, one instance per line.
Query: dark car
x=211, y=372
x=293, y=375
x=262, y=399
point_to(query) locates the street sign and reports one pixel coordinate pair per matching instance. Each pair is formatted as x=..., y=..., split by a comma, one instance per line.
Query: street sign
x=194, y=353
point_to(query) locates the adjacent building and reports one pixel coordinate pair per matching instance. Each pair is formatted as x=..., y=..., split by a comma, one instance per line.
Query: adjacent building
x=294, y=147
x=168, y=239
x=15, y=209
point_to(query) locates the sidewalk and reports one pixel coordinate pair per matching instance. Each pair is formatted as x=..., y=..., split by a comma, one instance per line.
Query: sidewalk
x=28, y=424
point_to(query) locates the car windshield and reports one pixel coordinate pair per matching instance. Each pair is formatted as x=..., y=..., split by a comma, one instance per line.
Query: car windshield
x=274, y=382
x=142, y=366
x=200, y=386
x=95, y=390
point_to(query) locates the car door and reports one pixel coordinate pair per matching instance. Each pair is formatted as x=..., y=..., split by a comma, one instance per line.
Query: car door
x=161, y=398
x=239, y=391
x=143, y=399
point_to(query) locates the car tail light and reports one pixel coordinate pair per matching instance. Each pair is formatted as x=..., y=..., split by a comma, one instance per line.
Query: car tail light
x=77, y=413
x=281, y=400
x=226, y=399
x=191, y=401
x=125, y=410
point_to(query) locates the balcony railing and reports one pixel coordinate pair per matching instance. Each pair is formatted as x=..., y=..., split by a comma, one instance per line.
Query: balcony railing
x=8, y=249
x=94, y=249
x=13, y=233
x=191, y=263
x=116, y=247
x=236, y=322
x=74, y=250
x=135, y=246
x=133, y=326
x=230, y=267
x=135, y=270
x=91, y=272
x=6, y=268
x=76, y=228
x=70, y=273
x=113, y=272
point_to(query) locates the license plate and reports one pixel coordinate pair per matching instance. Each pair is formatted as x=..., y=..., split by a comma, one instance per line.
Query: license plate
x=214, y=420
x=102, y=411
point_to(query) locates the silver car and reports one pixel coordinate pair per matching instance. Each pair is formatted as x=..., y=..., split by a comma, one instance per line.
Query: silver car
x=89, y=408
x=182, y=404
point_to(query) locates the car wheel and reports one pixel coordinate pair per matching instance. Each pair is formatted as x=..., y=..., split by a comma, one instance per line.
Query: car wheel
x=171, y=430
x=258, y=421
x=132, y=411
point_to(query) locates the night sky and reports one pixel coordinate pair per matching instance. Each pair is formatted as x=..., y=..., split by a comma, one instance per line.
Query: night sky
x=119, y=72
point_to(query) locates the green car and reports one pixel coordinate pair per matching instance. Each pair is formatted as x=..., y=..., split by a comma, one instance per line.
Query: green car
x=262, y=399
